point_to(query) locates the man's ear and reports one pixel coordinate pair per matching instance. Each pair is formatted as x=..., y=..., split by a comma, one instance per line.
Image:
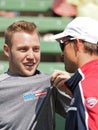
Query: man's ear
x=6, y=50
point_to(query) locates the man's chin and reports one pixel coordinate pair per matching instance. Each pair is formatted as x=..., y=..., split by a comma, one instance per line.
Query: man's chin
x=28, y=73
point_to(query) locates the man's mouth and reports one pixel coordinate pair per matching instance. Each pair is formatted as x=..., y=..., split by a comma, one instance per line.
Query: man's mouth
x=29, y=65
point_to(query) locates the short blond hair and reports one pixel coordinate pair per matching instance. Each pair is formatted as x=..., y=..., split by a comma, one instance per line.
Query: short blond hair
x=19, y=26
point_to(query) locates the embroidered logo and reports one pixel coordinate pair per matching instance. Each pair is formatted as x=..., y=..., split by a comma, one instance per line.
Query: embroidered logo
x=72, y=101
x=30, y=96
x=91, y=102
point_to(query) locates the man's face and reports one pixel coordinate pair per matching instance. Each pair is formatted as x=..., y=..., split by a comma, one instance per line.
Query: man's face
x=24, y=55
x=69, y=56
x=70, y=59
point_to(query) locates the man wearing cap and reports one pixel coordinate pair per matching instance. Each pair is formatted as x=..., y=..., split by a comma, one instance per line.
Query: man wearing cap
x=79, y=45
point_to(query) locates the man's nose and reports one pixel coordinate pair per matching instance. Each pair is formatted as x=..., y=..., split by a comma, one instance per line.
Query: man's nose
x=30, y=54
x=62, y=56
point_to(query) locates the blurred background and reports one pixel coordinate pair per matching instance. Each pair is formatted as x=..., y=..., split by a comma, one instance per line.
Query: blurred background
x=51, y=17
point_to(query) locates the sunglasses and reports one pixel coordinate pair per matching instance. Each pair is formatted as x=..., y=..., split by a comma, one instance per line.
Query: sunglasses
x=63, y=42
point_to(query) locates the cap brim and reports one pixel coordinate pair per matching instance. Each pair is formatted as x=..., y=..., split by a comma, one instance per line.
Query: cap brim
x=58, y=36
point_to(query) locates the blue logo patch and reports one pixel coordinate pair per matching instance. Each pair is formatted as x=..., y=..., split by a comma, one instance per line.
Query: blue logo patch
x=30, y=96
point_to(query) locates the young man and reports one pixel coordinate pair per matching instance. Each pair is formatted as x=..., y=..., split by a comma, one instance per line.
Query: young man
x=79, y=45
x=28, y=101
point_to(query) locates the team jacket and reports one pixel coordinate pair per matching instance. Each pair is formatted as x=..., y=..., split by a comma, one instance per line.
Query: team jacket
x=30, y=103
x=83, y=111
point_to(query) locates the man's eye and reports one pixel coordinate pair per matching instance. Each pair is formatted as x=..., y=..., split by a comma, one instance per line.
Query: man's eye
x=22, y=49
x=36, y=49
